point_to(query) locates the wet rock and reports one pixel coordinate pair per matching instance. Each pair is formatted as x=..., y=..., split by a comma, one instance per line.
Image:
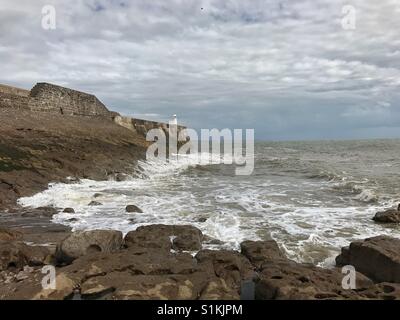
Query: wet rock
x=211, y=240
x=121, y=177
x=377, y=257
x=133, y=208
x=47, y=211
x=84, y=242
x=97, y=195
x=186, y=238
x=73, y=220
x=388, y=216
x=94, y=203
x=228, y=265
x=39, y=212
x=259, y=252
x=69, y=210
x=202, y=219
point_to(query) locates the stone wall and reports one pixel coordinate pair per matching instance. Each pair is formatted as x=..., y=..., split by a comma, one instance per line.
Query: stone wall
x=13, y=91
x=51, y=98
x=11, y=97
x=46, y=97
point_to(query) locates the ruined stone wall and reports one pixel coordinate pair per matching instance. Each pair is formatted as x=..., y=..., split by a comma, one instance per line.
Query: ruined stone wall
x=51, y=98
x=13, y=91
x=11, y=97
x=46, y=97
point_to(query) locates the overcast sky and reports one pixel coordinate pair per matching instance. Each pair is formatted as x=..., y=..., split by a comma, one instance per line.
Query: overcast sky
x=288, y=69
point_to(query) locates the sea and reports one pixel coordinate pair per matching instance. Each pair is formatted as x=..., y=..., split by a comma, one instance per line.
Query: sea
x=312, y=197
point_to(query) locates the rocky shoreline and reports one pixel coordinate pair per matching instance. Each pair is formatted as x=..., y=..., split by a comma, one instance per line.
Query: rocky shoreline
x=38, y=147
x=151, y=262
x=168, y=262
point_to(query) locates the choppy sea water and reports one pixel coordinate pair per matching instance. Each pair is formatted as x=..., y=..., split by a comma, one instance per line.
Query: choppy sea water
x=311, y=197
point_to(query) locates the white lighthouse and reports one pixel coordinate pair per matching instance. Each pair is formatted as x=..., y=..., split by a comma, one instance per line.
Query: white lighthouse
x=174, y=120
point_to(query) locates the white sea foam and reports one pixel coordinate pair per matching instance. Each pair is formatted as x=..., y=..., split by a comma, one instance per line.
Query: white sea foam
x=309, y=223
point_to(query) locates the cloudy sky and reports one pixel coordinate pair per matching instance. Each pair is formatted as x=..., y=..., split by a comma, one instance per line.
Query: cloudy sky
x=288, y=69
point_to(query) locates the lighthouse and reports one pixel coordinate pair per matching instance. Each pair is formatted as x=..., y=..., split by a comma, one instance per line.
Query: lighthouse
x=174, y=120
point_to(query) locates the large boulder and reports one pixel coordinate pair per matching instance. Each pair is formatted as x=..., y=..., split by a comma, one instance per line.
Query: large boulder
x=388, y=216
x=377, y=258
x=83, y=242
x=259, y=252
x=180, y=238
x=288, y=280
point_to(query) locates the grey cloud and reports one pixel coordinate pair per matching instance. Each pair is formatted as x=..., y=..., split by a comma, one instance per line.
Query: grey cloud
x=285, y=68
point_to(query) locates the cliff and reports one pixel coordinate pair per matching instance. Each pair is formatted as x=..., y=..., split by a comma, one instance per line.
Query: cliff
x=51, y=132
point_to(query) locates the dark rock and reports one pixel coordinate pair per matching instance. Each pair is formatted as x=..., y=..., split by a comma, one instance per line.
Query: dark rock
x=133, y=208
x=388, y=216
x=84, y=242
x=259, y=252
x=228, y=265
x=39, y=212
x=211, y=240
x=47, y=211
x=165, y=236
x=121, y=177
x=69, y=210
x=202, y=219
x=289, y=280
x=15, y=255
x=94, y=203
x=97, y=195
x=377, y=257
